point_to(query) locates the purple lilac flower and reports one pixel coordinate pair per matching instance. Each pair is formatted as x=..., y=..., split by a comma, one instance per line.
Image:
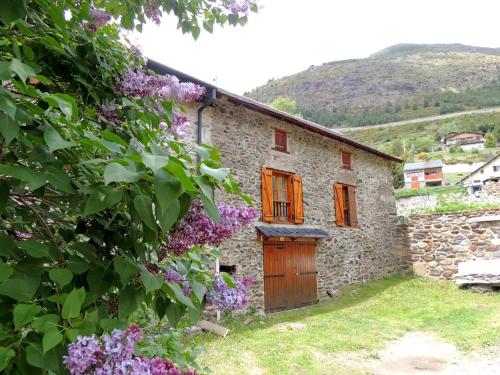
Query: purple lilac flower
x=108, y=113
x=196, y=228
x=229, y=299
x=237, y=6
x=114, y=354
x=180, y=126
x=140, y=84
x=153, y=12
x=24, y=235
x=169, y=276
x=99, y=17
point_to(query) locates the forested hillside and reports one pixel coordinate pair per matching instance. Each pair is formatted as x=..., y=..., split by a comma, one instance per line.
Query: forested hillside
x=400, y=82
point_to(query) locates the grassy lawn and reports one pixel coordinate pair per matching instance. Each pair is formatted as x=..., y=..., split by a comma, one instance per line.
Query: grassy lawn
x=364, y=318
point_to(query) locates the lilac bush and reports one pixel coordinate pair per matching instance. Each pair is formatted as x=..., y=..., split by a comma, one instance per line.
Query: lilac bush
x=197, y=229
x=139, y=84
x=180, y=126
x=115, y=354
x=238, y=6
x=225, y=298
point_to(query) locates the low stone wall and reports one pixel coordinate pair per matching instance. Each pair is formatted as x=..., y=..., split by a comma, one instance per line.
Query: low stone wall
x=437, y=243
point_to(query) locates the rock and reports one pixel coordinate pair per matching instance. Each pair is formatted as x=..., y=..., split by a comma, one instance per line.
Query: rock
x=247, y=321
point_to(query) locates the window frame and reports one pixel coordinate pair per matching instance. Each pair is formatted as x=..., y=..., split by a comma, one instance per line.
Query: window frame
x=347, y=211
x=349, y=155
x=278, y=147
x=288, y=192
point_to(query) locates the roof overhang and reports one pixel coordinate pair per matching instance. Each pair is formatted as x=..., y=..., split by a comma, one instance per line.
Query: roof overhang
x=269, y=111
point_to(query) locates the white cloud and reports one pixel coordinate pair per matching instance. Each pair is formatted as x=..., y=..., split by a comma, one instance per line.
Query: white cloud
x=288, y=36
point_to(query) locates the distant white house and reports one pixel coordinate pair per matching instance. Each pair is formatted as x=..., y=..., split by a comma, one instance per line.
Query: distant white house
x=489, y=172
x=468, y=141
x=423, y=174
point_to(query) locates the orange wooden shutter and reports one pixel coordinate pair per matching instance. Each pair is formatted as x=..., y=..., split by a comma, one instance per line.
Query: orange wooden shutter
x=298, y=203
x=353, y=213
x=267, y=195
x=339, y=205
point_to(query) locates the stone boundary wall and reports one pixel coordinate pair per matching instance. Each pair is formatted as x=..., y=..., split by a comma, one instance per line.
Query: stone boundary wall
x=438, y=242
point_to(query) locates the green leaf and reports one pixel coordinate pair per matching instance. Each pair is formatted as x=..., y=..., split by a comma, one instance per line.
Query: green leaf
x=101, y=200
x=219, y=174
x=143, y=207
x=179, y=294
x=32, y=178
x=9, y=128
x=54, y=140
x=60, y=180
x=35, y=248
x=6, y=354
x=47, y=361
x=111, y=324
x=115, y=172
x=7, y=245
x=5, y=72
x=24, y=314
x=61, y=276
x=129, y=301
x=210, y=208
x=167, y=190
x=20, y=286
x=151, y=282
x=6, y=271
x=160, y=307
x=11, y=10
x=64, y=102
x=126, y=269
x=8, y=106
x=180, y=173
x=77, y=265
x=45, y=322
x=228, y=279
x=4, y=195
x=174, y=313
x=154, y=162
x=51, y=338
x=199, y=290
x=169, y=217
x=73, y=304
x=23, y=71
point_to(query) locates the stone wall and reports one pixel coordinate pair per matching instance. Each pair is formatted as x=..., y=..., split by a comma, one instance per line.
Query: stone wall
x=437, y=243
x=245, y=140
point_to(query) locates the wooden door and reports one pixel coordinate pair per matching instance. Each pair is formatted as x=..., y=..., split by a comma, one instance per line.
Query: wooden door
x=414, y=182
x=290, y=275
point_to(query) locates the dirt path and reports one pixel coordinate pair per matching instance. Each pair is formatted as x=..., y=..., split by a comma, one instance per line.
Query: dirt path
x=419, y=353
x=422, y=119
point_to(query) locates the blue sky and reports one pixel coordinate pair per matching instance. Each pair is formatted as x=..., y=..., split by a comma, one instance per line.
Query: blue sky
x=288, y=36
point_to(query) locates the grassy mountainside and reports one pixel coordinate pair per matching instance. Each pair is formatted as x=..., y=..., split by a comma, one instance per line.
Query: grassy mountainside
x=408, y=140
x=400, y=82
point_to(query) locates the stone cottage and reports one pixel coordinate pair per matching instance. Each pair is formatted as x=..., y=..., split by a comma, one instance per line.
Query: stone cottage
x=327, y=202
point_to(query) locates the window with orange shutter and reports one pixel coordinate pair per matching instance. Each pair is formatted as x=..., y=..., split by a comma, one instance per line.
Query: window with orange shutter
x=345, y=205
x=346, y=160
x=280, y=140
x=281, y=197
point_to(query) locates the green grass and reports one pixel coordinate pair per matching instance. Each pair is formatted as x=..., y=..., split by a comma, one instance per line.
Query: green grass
x=453, y=178
x=364, y=318
x=406, y=193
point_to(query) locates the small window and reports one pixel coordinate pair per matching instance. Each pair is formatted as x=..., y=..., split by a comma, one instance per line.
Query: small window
x=227, y=269
x=496, y=168
x=280, y=140
x=346, y=160
x=345, y=205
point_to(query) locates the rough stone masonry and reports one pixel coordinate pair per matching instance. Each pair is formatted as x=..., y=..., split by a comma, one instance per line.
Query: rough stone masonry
x=439, y=242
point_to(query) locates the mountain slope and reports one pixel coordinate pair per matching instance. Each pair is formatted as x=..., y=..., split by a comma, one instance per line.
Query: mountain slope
x=400, y=82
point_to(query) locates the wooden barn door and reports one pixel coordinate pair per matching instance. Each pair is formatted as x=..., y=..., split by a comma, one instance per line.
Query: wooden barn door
x=290, y=275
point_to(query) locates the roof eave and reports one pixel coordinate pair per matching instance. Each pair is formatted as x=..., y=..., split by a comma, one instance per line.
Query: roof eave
x=264, y=109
